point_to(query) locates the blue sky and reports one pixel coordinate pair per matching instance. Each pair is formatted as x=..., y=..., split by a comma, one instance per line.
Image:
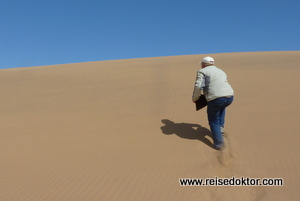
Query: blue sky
x=47, y=32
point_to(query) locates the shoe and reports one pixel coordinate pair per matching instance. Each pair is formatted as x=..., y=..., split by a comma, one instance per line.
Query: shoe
x=220, y=148
x=222, y=129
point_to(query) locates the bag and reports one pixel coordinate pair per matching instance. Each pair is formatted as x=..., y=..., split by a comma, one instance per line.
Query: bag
x=201, y=102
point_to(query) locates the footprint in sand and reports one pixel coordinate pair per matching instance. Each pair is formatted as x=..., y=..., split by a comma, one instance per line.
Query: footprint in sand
x=227, y=154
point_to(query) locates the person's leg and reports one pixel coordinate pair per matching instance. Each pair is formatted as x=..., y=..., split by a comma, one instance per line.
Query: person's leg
x=222, y=117
x=227, y=102
x=213, y=113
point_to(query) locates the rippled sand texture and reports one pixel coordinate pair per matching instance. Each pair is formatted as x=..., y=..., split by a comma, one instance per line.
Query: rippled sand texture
x=128, y=130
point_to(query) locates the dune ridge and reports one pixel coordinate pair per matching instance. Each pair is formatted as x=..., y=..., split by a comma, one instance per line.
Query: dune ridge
x=128, y=130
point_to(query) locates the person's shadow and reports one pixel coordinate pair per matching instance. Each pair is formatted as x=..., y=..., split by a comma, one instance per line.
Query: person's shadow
x=187, y=131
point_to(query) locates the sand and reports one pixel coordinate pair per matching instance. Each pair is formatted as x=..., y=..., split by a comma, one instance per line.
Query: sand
x=128, y=130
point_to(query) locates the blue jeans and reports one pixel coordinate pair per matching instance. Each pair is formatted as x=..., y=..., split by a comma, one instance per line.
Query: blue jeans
x=216, y=110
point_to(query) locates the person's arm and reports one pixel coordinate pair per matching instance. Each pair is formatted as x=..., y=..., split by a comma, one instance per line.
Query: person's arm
x=199, y=85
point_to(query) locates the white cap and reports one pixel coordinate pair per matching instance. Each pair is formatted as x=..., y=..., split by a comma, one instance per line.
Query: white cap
x=208, y=60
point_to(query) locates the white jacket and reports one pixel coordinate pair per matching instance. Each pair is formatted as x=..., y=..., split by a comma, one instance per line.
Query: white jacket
x=213, y=82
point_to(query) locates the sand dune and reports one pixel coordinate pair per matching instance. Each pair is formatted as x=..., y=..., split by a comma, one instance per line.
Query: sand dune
x=128, y=130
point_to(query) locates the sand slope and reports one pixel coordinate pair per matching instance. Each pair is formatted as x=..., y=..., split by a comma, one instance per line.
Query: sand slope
x=128, y=130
